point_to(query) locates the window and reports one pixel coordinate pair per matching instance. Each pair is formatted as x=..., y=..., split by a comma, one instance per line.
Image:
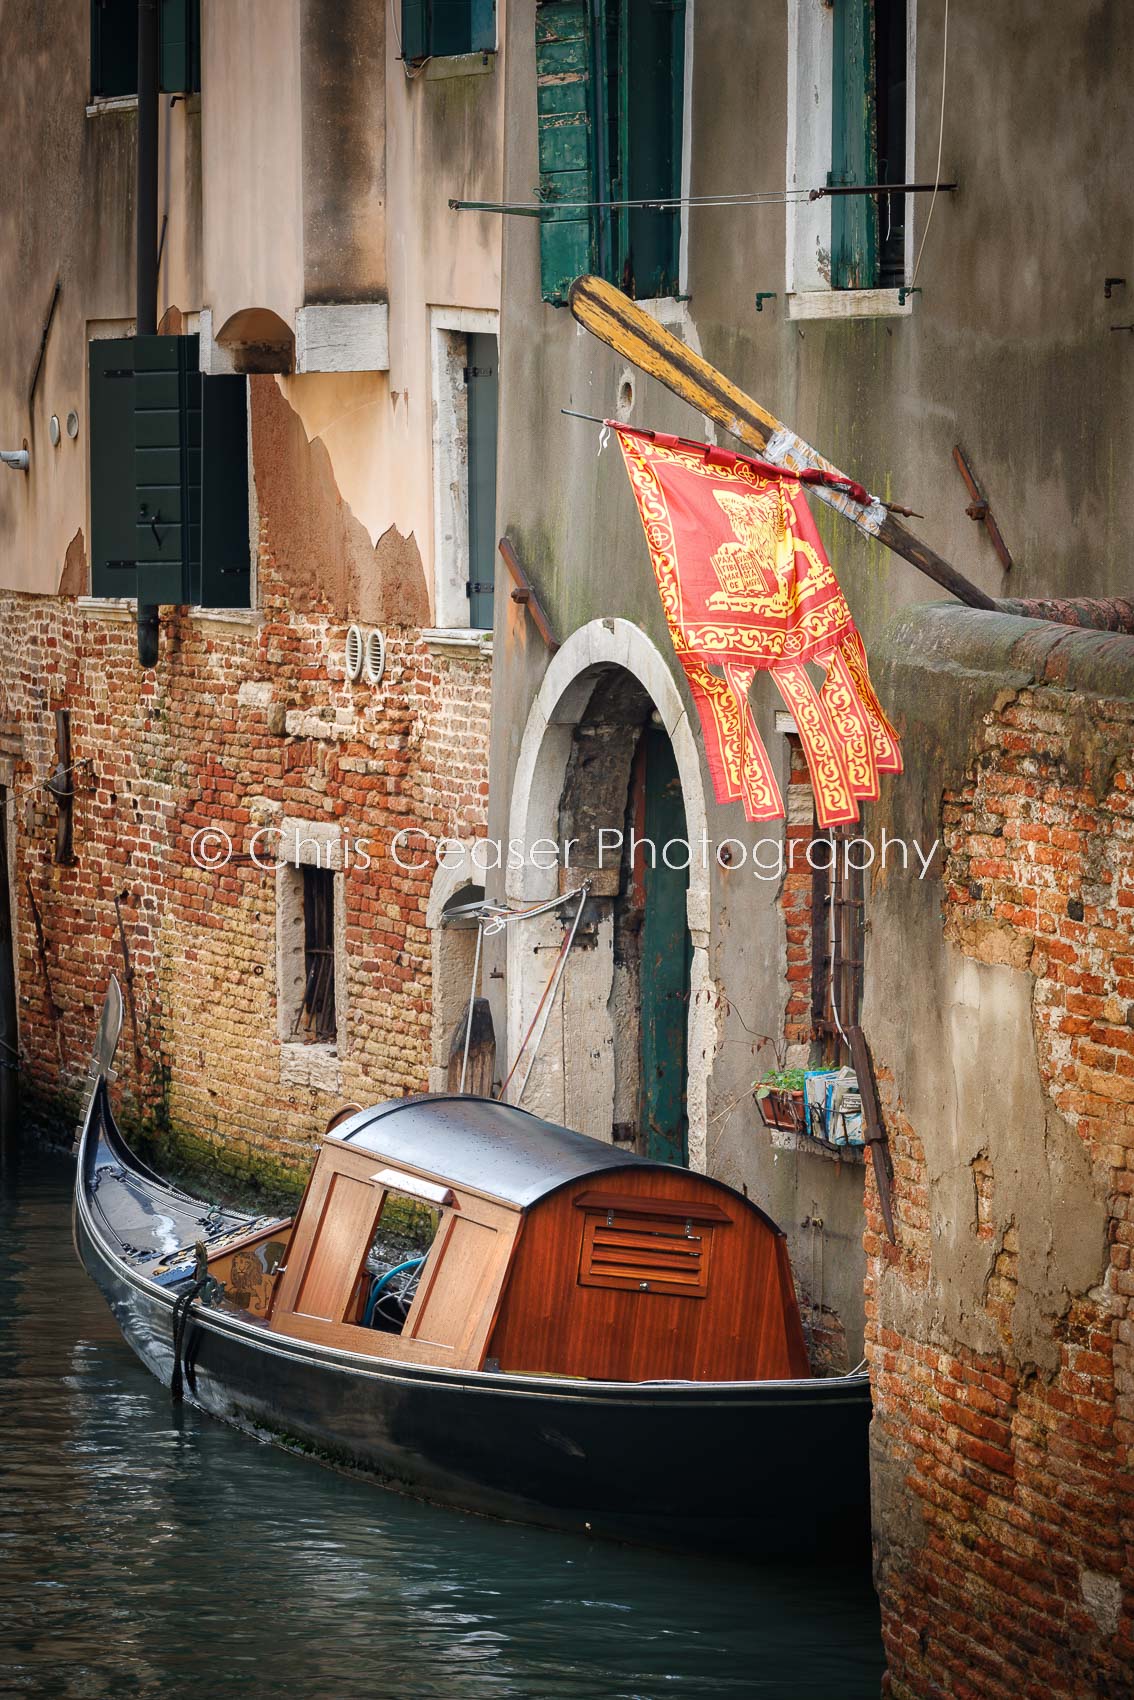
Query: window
x=838, y=919
x=114, y=47
x=315, y=1020
x=403, y=1235
x=849, y=123
x=169, y=475
x=610, y=78
x=466, y=389
x=432, y=28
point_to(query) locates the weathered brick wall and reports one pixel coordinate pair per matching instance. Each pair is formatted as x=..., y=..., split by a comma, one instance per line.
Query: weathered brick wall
x=1005, y=1512
x=241, y=725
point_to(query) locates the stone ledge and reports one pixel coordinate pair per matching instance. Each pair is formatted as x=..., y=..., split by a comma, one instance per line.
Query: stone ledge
x=1021, y=652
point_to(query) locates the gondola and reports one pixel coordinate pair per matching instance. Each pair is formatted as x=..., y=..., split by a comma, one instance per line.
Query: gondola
x=484, y=1310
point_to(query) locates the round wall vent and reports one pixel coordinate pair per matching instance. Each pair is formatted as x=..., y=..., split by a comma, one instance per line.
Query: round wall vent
x=354, y=653
x=374, y=664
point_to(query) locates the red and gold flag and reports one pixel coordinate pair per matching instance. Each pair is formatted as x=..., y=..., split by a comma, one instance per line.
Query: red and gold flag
x=747, y=588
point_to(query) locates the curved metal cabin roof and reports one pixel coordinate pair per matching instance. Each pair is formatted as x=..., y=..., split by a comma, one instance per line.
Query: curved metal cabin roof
x=477, y=1142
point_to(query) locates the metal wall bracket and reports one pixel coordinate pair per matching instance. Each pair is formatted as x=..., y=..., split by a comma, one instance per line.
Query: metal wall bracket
x=978, y=508
x=764, y=295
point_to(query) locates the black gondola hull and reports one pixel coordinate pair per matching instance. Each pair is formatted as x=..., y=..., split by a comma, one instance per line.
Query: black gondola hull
x=756, y=1468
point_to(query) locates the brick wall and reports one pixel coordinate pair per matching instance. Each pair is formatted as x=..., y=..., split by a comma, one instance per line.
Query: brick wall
x=1006, y=1520
x=240, y=726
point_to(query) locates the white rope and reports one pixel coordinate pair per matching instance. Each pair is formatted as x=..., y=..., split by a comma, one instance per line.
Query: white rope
x=940, y=140
x=472, y=1001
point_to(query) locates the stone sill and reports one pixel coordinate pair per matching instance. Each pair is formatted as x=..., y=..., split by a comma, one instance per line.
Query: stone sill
x=112, y=103
x=470, y=641
x=849, y=304
x=783, y=1139
x=480, y=64
x=124, y=608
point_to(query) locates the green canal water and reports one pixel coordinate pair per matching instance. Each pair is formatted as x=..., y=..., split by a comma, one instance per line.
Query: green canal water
x=146, y=1551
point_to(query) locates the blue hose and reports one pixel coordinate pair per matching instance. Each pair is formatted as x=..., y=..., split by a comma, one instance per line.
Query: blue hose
x=380, y=1284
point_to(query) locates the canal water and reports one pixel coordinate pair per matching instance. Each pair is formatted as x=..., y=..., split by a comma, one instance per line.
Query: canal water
x=147, y=1551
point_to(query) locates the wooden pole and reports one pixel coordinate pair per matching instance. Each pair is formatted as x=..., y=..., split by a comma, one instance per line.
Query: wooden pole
x=619, y=322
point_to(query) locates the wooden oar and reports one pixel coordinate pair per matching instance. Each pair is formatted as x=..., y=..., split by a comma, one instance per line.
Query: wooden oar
x=619, y=322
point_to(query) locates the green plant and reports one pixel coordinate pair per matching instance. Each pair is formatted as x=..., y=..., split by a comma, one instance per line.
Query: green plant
x=780, y=1080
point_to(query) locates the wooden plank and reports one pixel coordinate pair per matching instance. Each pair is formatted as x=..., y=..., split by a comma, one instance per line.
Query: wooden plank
x=619, y=322
x=875, y=1126
x=526, y=596
x=673, y=1209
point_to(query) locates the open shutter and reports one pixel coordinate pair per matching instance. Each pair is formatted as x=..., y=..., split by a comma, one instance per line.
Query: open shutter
x=482, y=26
x=180, y=25
x=566, y=161
x=415, y=29
x=225, y=575
x=167, y=401
x=114, y=48
x=111, y=438
x=854, y=148
x=483, y=390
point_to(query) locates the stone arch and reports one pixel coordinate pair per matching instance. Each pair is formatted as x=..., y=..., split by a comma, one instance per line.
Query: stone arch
x=452, y=953
x=600, y=647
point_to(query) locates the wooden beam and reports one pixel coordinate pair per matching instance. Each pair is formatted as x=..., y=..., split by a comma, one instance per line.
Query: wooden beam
x=526, y=596
x=619, y=322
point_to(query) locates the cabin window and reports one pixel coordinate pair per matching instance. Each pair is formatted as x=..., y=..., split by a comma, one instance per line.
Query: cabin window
x=387, y=1285
x=610, y=92
x=435, y=28
x=646, y=1250
x=114, y=47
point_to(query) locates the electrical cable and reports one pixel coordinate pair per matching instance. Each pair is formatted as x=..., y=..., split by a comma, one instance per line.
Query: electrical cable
x=940, y=141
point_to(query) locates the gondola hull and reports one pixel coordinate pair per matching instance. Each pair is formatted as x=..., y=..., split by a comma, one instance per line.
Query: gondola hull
x=758, y=1469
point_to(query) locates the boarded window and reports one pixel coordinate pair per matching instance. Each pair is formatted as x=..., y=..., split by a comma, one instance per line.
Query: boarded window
x=114, y=47
x=610, y=101
x=838, y=912
x=169, y=475
x=434, y=28
x=868, y=142
x=647, y=1245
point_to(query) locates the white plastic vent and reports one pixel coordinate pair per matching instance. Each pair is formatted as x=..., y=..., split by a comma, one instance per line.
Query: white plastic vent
x=374, y=664
x=355, y=646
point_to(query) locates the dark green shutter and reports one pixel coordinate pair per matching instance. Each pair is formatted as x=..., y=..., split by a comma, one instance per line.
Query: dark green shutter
x=180, y=46
x=482, y=26
x=111, y=438
x=167, y=393
x=483, y=392
x=225, y=578
x=114, y=48
x=854, y=149
x=415, y=29
x=566, y=159
x=650, y=92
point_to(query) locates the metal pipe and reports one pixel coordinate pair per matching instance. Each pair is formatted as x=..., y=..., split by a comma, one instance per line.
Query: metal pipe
x=17, y=459
x=146, y=240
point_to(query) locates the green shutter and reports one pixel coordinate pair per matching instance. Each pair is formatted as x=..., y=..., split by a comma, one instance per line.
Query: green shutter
x=114, y=48
x=166, y=421
x=111, y=437
x=483, y=392
x=566, y=163
x=225, y=576
x=854, y=149
x=415, y=29
x=482, y=26
x=180, y=24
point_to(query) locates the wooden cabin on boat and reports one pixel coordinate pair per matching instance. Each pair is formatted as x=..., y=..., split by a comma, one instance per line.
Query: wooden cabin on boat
x=543, y=1252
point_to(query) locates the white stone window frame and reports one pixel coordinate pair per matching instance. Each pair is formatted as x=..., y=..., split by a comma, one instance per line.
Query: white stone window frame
x=449, y=330
x=808, y=292
x=312, y=844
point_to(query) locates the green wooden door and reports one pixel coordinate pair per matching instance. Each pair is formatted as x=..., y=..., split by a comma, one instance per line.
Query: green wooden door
x=665, y=960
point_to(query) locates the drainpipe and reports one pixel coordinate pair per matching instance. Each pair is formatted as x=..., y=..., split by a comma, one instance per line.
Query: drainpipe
x=146, y=200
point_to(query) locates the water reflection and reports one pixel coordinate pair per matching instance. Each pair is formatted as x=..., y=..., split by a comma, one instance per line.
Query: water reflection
x=147, y=1550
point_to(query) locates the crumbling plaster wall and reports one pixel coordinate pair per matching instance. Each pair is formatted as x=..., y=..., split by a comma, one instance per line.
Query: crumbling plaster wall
x=998, y=1010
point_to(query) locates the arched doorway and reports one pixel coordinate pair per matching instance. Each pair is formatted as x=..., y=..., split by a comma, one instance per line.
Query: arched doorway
x=607, y=753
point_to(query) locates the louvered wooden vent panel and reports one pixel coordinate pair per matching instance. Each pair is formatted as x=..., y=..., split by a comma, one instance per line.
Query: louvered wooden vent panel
x=645, y=1253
